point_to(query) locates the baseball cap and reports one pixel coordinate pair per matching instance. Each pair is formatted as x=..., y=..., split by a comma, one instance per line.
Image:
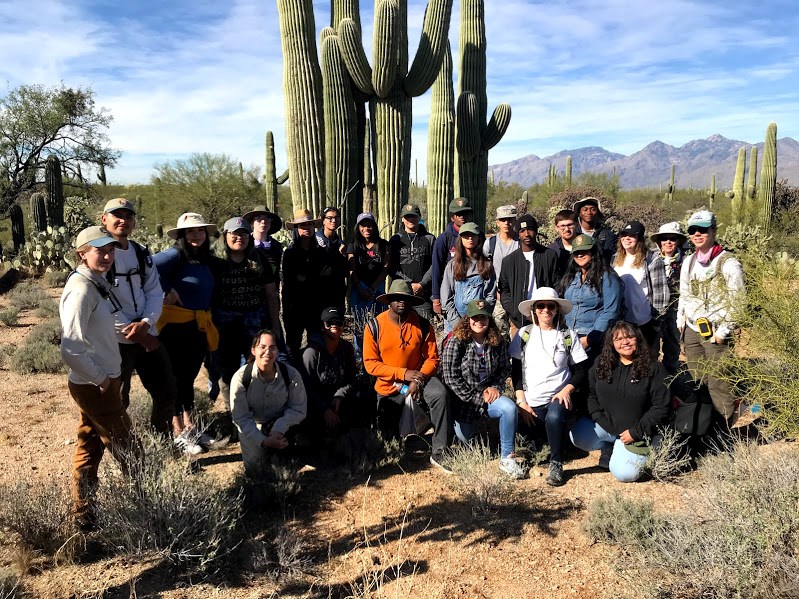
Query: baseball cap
x=236, y=223
x=633, y=228
x=332, y=315
x=410, y=210
x=702, y=218
x=478, y=307
x=526, y=221
x=469, y=228
x=459, y=205
x=582, y=242
x=118, y=204
x=508, y=211
x=94, y=236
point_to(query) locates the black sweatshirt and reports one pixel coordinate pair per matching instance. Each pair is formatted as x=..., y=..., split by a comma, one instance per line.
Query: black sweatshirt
x=622, y=404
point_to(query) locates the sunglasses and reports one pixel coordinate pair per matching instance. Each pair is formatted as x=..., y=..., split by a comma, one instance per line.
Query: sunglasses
x=546, y=306
x=670, y=239
x=581, y=253
x=334, y=323
x=332, y=217
x=700, y=230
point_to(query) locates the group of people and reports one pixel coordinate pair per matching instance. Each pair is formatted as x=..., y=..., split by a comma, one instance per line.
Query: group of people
x=577, y=326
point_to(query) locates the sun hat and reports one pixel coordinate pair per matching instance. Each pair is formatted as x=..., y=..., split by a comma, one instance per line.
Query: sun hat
x=545, y=294
x=410, y=210
x=582, y=242
x=526, y=221
x=469, y=228
x=94, y=236
x=330, y=314
x=276, y=222
x=508, y=211
x=672, y=228
x=633, y=228
x=302, y=216
x=459, y=205
x=588, y=201
x=364, y=216
x=118, y=204
x=478, y=307
x=235, y=224
x=400, y=289
x=702, y=218
x=189, y=220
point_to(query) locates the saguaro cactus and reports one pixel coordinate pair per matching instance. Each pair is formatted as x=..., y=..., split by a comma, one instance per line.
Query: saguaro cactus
x=474, y=138
x=271, y=180
x=737, y=192
x=390, y=86
x=751, y=178
x=670, y=191
x=17, y=227
x=712, y=191
x=101, y=174
x=368, y=174
x=441, y=147
x=568, y=175
x=768, y=176
x=302, y=90
x=39, y=211
x=55, y=191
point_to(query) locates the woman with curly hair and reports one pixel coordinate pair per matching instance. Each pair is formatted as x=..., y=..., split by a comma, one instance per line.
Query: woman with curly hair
x=468, y=276
x=476, y=365
x=628, y=400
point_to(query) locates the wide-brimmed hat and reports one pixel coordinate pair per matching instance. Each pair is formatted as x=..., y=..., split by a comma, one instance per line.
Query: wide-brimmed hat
x=118, y=204
x=589, y=200
x=545, y=294
x=95, y=236
x=669, y=229
x=302, y=216
x=400, y=289
x=276, y=222
x=189, y=220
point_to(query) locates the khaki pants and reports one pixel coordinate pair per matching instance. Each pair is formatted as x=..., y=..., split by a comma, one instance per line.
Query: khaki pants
x=698, y=351
x=501, y=318
x=103, y=424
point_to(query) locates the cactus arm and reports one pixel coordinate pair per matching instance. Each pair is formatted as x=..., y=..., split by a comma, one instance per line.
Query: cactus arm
x=385, y=42
x=467, y=136
x=497, y=126
x=768, y=176
x=281, y=179
x=441, y=146
x=737, y=193
x=433, y=44
x=751, y=180
x=352, y=52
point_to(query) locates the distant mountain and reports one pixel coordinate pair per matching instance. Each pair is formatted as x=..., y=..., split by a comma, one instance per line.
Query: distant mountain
x=695, y=162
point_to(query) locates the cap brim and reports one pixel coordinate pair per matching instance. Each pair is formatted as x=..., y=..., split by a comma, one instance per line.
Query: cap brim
x=210, y=229
x=316, y=222
x=564, y=306
x=387, y=298
x=103, y=241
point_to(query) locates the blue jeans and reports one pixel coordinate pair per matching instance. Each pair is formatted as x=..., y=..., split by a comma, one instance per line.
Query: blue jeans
x=554, y=417
x=625, y=465
x=502, y=408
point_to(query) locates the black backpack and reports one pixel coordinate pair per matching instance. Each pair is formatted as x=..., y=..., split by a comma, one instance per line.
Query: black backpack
x=144, y=259
x=246, y=378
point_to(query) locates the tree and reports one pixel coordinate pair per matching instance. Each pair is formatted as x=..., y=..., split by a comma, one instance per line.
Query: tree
x=215, y=185
x=38, y=121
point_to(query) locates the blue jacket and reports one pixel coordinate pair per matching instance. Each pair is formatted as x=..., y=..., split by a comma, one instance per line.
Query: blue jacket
x=593, y=313
x=441, y=256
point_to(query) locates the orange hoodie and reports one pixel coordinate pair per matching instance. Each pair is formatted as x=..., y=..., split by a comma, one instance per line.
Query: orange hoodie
x=397, y=349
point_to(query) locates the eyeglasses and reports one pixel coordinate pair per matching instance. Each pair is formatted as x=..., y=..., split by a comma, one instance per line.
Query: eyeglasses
x=332, y=217
x=334, y=323
x=237, y=235
x=669, y=239
x=546, y=306
x=566, y=226
x=700, y=230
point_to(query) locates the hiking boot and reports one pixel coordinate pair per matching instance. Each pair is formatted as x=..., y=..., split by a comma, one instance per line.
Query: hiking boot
x=511, y=466
x=555, y=477
x=187, y=445
x=208, y=443
x=440, y=460
x=604, y=456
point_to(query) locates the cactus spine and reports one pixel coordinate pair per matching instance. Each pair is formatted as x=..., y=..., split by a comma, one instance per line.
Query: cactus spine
x=474, y=138
x=712, y=191
x=302, y=89
x=737, y=193
x=568, y=175
x=768, y=176
x=441, y=147
x=55, y=191
x=39, y=211
x=17, y=227
x=390, y=87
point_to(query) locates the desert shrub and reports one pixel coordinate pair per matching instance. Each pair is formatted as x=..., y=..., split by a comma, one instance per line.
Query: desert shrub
x=737, y=537
x=9, y=582
x=36, y=514
x=9, y=316
x=276, y=483
x=670, y=458
x=47, y=309
x=76, y=214
x=650, y=215
x=56, y=278
x=478, y=479
x=285, y=557
x=366, y=450
x=618, y=520
x=186, y=518
x=28, y=295
x=40, y=352
x=567, y=198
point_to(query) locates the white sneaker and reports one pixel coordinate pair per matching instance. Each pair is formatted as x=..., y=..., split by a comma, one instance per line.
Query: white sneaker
x=185, y=444
x=511, y=466
x=208, y=443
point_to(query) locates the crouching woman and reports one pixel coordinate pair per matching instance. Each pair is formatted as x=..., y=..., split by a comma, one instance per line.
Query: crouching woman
x=90, y=350
x=628, y=400
x=267, y=399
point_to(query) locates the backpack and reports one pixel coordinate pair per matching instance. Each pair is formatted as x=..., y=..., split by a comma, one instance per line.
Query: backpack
x=524, y=335
x=144, y=259
x=246, y=378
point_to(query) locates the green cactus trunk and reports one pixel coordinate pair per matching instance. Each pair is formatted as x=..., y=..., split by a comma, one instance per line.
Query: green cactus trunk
x=768, y=177
x=17, y=227
x=368, y=174
x=441, y=148
x=302, y=90
x=669, y=197
x=270, y=175
x=737, y=206
x=159, y=230
x=101, y=174
x=55, y=191
x=712, y=191
x=751, y=188
x=39, y=211
x=567, y=179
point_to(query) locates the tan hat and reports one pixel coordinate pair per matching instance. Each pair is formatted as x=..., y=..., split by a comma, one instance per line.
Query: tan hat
x=94, y=236
x=545, y=294
x=672, y=228
x=118, y=204
x=508, y=211
x=302, y=216
x=189, y=220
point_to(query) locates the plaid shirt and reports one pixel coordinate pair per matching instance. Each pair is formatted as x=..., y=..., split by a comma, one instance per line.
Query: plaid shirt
x=659, y=291
x=461, y=367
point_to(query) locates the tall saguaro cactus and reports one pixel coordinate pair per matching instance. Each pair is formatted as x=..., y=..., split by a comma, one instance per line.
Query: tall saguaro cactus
x=567, y=177
x=271, y=180
x=55, y=191
x=441, y=147
x=474, y=137
x=390, y=86
x=737, y=193
x=712, y=191
x=17, y=227
x=768, y=176
x=302, y=90
x=670, y=191
x=39, y=211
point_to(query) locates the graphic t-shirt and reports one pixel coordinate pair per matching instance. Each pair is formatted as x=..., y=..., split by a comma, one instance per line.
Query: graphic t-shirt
x=240, y=286
x=368, y=261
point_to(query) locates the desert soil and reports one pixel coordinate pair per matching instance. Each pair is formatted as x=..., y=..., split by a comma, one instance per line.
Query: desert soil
x=407, y=518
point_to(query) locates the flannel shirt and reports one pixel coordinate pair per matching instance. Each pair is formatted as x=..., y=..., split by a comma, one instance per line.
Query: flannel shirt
x=657, y=282
x=461, y=369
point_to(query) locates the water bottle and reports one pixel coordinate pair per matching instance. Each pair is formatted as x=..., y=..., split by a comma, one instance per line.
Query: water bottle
x=402, y=388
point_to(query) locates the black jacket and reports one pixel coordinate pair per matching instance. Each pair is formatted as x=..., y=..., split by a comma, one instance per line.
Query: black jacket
x=564, y=257
x=514, y=280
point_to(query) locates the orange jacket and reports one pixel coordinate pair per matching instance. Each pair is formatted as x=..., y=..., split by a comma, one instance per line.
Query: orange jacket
x=397, y=349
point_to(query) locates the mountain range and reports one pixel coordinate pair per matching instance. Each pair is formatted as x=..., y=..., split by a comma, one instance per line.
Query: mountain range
x=695, y=163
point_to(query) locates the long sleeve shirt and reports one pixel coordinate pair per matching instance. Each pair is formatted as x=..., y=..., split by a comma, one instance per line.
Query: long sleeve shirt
x=327, y=375
x=140, y=302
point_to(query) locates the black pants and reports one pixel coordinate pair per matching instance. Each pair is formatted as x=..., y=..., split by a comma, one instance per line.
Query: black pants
x=186, y=346
x=435, y=396
x=155, y=372
x=299, y=318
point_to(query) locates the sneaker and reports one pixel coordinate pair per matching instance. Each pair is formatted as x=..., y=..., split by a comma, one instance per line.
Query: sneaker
x=440, y=460
x=604, y=456
x=511, y=466
x=555, y=477
x=186, y=445
x=208, y=443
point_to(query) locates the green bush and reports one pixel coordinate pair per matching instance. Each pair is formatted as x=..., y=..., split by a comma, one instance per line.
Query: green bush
x=40, y=351
x=28, y=295
x=36, y=514
x=621, y=521
x=55, y=278
x=9, y=316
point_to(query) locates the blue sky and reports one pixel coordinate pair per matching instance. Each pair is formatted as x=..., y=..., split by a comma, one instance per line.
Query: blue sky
x=206, y=76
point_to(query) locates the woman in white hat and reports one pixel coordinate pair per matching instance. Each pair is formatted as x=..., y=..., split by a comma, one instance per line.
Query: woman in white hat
x=670, y=239
x=553, y=364
x=90, y=350
x=186, y=328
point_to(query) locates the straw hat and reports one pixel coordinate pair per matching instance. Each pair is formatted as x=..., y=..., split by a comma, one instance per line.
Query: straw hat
x=189, y=220
x=545, y=294
x=302, y=216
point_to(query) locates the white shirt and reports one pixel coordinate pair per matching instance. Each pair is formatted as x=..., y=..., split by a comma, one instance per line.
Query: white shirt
x=529, y=256
x=636, y=291
x=138, y=302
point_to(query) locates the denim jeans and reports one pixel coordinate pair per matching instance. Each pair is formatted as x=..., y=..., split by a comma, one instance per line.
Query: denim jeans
x=502, y=408
x=625, y=465
x=553, y=416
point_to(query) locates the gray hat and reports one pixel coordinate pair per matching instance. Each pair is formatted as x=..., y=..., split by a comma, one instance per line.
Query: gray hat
x=508, y=211
x=118, y=204
x=94, y=236
x=236, y=223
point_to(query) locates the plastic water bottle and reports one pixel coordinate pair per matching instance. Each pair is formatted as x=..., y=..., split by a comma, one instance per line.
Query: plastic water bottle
x=402, y=388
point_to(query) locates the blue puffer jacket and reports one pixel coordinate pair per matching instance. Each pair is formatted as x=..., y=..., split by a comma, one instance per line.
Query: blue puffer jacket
x=593, y=313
